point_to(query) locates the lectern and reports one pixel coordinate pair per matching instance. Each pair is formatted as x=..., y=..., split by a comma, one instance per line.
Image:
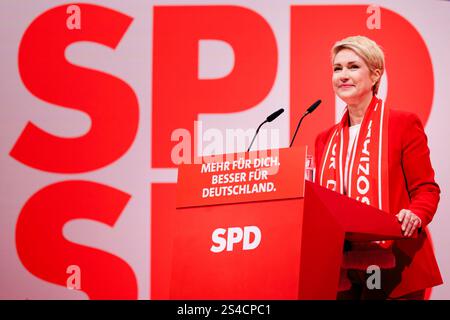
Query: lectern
x=248, y=226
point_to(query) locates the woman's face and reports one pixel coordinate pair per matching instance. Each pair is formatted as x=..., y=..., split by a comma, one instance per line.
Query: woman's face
x=352, y=79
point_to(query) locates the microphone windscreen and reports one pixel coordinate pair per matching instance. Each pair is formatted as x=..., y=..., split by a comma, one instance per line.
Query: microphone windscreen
x=275, y=115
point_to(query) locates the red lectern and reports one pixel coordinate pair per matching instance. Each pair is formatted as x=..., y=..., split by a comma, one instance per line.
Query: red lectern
x=249, y=227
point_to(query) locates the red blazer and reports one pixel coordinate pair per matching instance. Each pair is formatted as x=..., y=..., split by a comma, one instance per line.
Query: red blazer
x=411, y=186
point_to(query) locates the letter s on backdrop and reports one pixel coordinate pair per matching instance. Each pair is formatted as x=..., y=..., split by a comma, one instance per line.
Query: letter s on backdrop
x=110, y=103
x=46, y=253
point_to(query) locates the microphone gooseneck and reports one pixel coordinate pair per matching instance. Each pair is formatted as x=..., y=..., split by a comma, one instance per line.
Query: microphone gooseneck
x=270, y=118
x=256, y=133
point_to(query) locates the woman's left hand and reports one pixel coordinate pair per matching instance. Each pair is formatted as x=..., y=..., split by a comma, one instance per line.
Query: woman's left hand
x=410, y=222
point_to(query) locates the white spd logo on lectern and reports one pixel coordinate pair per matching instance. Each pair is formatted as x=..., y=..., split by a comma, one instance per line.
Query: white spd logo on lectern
x=227, y=238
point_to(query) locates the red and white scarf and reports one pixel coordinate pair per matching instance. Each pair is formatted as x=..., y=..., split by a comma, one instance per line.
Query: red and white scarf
x=367, y=179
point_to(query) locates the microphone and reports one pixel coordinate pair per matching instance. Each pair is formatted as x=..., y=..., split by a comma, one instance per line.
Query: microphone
x=308, y=111
x=270, y=118
x=274, y=115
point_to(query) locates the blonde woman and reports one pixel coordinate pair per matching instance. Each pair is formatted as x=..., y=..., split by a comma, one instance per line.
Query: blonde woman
x=379, y=156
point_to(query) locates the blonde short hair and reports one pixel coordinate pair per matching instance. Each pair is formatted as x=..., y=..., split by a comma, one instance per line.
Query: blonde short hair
x=367, y=49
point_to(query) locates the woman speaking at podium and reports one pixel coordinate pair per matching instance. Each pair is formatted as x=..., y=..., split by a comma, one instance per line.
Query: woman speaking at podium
x=380, y=157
